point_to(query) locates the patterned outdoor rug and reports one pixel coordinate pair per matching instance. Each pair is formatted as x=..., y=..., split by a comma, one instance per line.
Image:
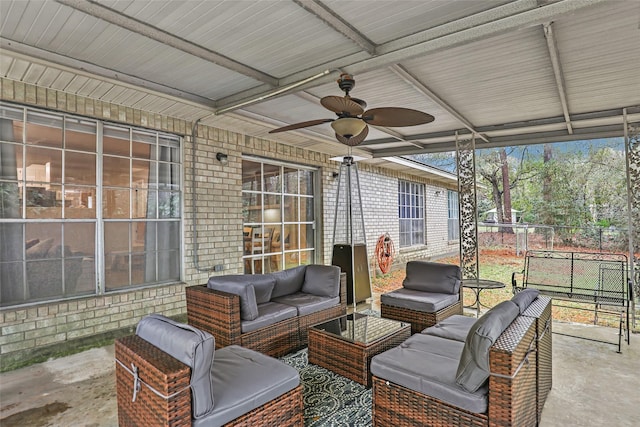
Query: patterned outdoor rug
x=330, y=399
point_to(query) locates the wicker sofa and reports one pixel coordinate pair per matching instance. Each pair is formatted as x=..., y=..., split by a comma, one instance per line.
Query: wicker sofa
x=430, y=293
x=492, y=371
x=167, y=375
x=269, y=313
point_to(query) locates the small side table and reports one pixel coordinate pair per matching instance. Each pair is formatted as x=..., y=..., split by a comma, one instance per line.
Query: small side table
x=479, y=285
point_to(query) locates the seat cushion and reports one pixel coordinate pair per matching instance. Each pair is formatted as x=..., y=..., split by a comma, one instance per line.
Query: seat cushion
x=432, y=277
x=524, y=298
x=418, y=300
x=427, y=364
x=288, y=281
x=322, y=280
x=268, y=314
x=244, y=380
x=241, y=285
x=473, y=369
x=191, y=346
x=454, y=327
x=307, y=303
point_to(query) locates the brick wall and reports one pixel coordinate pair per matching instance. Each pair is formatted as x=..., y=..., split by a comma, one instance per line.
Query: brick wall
x=38, y=329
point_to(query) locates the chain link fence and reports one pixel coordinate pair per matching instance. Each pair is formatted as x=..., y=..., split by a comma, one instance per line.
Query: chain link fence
x=522, y=237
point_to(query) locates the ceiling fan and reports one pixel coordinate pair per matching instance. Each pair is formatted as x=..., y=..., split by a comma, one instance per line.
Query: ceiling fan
x=351, y=125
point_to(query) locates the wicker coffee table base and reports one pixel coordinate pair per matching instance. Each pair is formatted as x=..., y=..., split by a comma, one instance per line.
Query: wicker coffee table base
x=350, y=359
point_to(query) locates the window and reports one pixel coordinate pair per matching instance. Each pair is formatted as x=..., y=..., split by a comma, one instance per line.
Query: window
x=453, y=216
x=72, y=201
x=411, y=213
x=278, y=209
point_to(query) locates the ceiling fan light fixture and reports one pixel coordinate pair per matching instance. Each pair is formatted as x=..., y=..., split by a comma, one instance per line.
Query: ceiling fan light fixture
x=348, y=126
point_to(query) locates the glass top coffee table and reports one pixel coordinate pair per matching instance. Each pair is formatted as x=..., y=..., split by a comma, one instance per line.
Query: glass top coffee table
x=346, y=344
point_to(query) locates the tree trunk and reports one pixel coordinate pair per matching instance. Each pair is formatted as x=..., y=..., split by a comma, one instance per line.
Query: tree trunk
x=506, y=190
x=547, y=196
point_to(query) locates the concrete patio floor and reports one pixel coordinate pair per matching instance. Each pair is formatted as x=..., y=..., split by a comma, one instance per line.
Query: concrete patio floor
x=592, y=385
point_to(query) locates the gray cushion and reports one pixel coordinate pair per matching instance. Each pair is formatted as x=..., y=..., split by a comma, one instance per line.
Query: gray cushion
x=524, y=298
x=288, y=281
x=191, y=346
x=426, y=302
x=268, y=314
x=263, y=286
x=432, y=277
x=322, y=280
x=244, y=380
x=454, y=327
x=427, y=364
x=473, y=369
x=239, y=285
x=307, y=303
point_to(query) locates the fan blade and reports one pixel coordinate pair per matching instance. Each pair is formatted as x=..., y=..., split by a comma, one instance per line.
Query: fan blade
x=341, y=104
x=301, y=125
x=354, y=140
x=394, y=116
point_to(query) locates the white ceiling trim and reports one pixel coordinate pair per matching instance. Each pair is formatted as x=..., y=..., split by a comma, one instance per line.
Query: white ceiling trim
x=557, y=72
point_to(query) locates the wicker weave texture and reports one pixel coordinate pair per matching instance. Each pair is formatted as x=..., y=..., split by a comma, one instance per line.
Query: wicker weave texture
x=350, y=359
x=540, y=310
x=419, y=320
x=512, y=402
x=162, y=372
x=285, y=411
x=398, y=406
x=169, y=376
x=275, y=340
x=215, y=312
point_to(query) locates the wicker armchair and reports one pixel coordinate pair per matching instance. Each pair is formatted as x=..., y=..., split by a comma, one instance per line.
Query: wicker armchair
x=154, y=388
x=430, y=293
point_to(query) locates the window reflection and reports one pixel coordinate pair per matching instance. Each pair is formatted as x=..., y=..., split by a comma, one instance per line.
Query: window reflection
x=80, y=168
x=274, y=237
x=80, y=135
x=44, y=130
x=49, y=165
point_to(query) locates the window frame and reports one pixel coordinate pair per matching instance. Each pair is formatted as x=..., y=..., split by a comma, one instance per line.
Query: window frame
x=310, y=254
x=411, y=214
x=453, y=215
x=99, y=265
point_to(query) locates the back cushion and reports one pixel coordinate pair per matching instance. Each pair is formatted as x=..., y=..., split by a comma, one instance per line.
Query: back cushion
x=322, y=280
x=288, y=281
x=239, y=285
x=191, y=346
x=473, y=369
x=524, y=298
x=432, y=277
x=263, y=286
